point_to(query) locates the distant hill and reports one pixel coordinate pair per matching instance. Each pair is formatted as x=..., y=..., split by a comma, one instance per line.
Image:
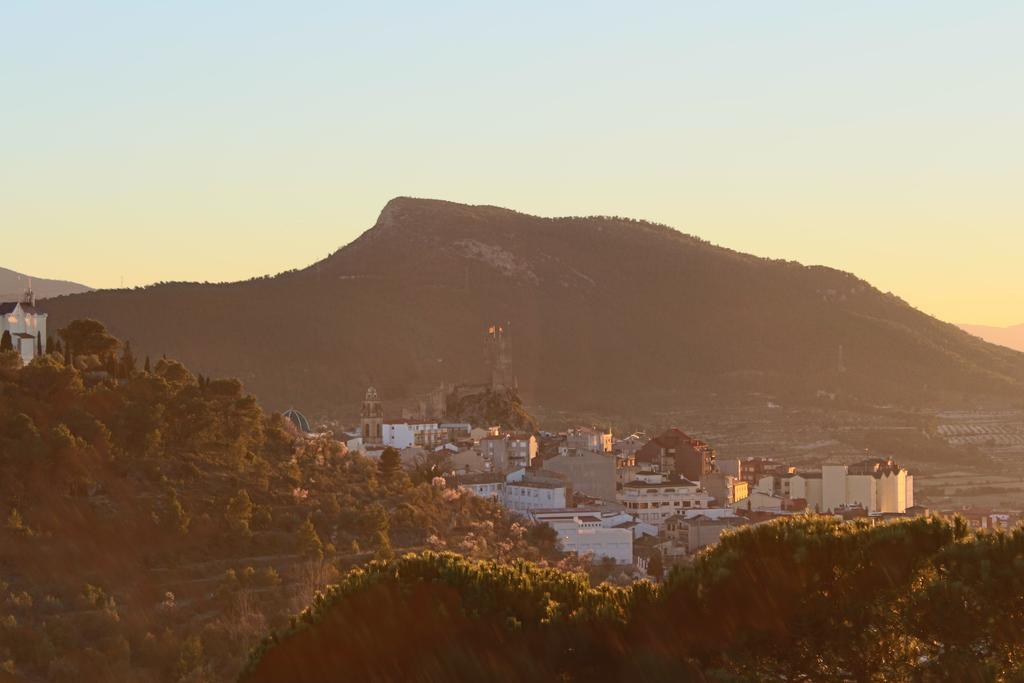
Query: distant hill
x=1011, y=337
x=605, y=314
x=13, y=284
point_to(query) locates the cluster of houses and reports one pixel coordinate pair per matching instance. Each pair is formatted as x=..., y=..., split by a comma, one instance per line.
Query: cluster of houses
x=631, y=498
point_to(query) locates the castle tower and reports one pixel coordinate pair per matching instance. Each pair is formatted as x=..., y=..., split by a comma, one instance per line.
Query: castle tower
x=499, y=358
x=372, y=417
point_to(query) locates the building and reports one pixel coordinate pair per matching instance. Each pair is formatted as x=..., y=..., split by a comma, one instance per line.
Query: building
x=406, y=434
x=457, y=430
x=353, y=442
x=590, y=531
x=592, y=474
x=526, y=495
x=629, y=445
x=298, y=420
x=753, y=469
x=877, y=485
x=498, y=355
x=730, y=466
x=674, y=451
x=587, y=440
x=469, y=460
x=26, y=326
x=520, y=491
x=726, y=489
x=695, y=529
x=795, y=486
x=485, y=485
x=509, y=452
x=654, y=497
x=372, y=418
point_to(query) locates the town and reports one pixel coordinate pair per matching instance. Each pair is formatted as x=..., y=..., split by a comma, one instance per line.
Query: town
x=645, y=502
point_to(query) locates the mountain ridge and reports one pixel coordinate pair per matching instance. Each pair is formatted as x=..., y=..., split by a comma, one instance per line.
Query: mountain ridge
x=1010, y=336
x=13, y=285
x=605, y=313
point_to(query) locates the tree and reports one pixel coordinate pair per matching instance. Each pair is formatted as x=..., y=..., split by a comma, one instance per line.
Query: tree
x=656, y=565
x=239, y=514
x=382, y=543
x=146, y=368
x=14, y=521
x=310, y=544
x=88, y=338
x=390, y=461
x=175, y=518
x=6, y=343
x=127, y=364
x=39, y=344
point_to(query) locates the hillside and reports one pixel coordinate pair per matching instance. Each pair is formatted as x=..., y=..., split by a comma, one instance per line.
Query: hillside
x=13, y=284
x=605, y=314
x=152, y=529
x=1012, y=337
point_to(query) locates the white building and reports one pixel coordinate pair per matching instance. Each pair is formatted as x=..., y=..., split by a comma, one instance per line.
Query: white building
x=877, y=485
x=517, y=491
x=590, y=531
x=526, y=495
x=653, y=497
x=408, y=434
x=485, y=485
x=26, y=326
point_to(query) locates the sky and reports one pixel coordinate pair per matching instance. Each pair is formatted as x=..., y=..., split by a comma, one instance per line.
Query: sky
x=203, y=140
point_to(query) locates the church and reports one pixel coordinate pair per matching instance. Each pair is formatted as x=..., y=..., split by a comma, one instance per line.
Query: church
x=25, y=325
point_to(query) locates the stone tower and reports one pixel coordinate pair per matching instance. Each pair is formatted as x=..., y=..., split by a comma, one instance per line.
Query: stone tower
x=372, y=417
x=499, y=358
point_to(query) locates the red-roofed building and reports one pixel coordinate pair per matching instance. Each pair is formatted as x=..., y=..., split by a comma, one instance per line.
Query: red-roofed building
x=675, y=451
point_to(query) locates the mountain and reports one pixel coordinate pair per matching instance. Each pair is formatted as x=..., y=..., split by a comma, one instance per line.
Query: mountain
x=603, y=313
x=1011, y=337
x=12, y=286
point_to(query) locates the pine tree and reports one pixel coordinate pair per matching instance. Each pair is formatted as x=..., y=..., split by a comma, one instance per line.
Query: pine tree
x=127, y=360
x=239, y=514
x=6, y=341
x=383, y=544
x=656, y=566
x=39, y=344
x=390, y=461
x=146, y=368
x=310, y=544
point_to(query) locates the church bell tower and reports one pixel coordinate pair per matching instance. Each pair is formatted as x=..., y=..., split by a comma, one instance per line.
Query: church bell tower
x=372, y=417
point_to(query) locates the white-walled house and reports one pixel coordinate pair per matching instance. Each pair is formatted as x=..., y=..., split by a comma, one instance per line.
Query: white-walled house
x=653, y=497
x=517, y=491
x=408, y=434
x=526, y=495
x=590, y=531
x=26, y=325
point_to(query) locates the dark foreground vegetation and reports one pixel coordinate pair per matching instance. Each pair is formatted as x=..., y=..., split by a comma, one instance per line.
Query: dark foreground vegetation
x=803, y=599
x=155, y=524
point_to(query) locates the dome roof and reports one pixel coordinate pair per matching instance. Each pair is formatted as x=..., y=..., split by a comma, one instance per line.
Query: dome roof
x=298, y=419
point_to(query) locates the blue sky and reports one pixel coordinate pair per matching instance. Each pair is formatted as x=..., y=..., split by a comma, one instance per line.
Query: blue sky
x=215, y=141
